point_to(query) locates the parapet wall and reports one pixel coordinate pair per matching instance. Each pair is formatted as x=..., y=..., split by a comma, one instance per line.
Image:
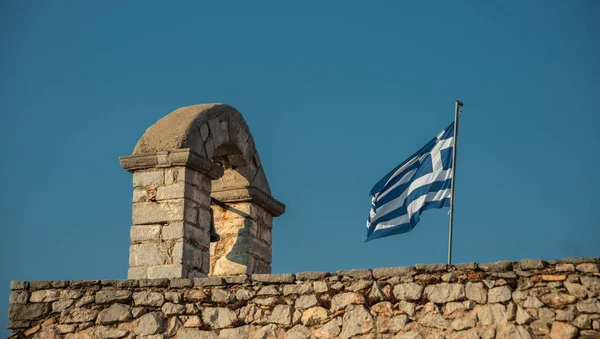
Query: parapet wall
x=526, y=299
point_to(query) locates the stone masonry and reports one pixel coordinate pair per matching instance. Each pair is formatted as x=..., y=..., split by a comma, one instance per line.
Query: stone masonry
x=193, y=160
x=526, y=299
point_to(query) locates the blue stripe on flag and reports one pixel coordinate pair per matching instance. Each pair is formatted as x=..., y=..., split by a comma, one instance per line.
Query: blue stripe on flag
x=407, y=227
x=412, y=196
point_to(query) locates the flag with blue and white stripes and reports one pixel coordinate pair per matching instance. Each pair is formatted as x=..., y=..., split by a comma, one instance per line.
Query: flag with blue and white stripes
x=421, y=182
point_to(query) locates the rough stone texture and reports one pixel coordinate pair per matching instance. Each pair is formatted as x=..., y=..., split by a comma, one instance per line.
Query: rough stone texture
x=409, y=291
x=475, y=302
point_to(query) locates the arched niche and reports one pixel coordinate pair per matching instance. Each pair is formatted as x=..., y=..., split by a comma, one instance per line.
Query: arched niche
x=195, y=159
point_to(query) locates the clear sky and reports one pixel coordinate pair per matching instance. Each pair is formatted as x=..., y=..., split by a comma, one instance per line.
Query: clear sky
x=335, y=93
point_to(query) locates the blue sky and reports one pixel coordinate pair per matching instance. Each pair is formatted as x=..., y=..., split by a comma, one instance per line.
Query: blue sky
x=335, y=93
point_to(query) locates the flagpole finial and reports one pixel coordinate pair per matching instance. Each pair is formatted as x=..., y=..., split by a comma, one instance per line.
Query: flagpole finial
x=460, y=103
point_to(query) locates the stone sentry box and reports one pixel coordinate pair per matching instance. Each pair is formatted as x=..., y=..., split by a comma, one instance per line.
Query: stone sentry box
x=195, y=159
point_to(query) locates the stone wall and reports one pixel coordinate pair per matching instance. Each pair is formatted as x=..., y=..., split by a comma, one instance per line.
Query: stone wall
x=526, y=299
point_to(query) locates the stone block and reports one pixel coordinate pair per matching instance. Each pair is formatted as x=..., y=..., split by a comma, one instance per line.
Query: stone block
x=146, y=254
x=137, y=273
x=531, y=264
x=24, y=312
x=431, y=268
x=112, y=296
x=356, y=274
x=274, y=278
x=384, y=272
x=144, y=178
x=154, y=213
x=18, y=285
x=312, y=275
x=499, y=266
x=144, y=233
x=114, y=314
x=18, y=297
x=166, y=271
x=210, y=281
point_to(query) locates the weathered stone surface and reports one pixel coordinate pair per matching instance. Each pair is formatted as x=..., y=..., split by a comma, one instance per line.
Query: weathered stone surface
x=523, y=317
x=409, y=335
x=173, y=309
x=587, y=268
x=312, y=275
x=356, y=321
x=274, y=278
x=531, y=264
x=303, y=288
x=282, y=314
x=222, y=296
x=558, y=300
x=192, y=333
x=391, y=272
x=498, y=266
x=314, y=316
x=306, y=301
x=151, y=323
x=356, y=274
x=383, y=308
x=360, y=285
x=219, y=317
x=561, y=330
x=499, y=294
x=407, y=307
x=510, y=331
x=540, y=328
x=444, y=292
x=62, y=305
x=244, y=294
x=567, y=314
x=340, y=301
x=330, y=330
x=430, y=316
x=22, y=312
x=115, y=313
x=210, y=281
x=430, y=268
x=18, y=297
x=18, y=285
x=78, y=315
x=376, y=294
x=409, y=291
x=589, y=306
x=320, y=287
x=194, y=295
x=490, y=314
x=105, y=332
x=234, y=333
x=468, y=321
x=592, y=283
x=112, y=296
x=546, y=315
x=532, y=302
x=44, y=296
x=583, y=322
x=268, y=290
x=298, y=332
x=577, y=290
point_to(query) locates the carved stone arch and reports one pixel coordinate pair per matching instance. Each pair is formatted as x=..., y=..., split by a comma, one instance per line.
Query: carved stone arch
x=194, y=159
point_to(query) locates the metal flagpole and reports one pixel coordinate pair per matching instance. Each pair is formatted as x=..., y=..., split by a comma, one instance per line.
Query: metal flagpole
x=457, y=108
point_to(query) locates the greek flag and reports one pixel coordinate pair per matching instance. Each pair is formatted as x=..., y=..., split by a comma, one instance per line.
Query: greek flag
x=421, y=182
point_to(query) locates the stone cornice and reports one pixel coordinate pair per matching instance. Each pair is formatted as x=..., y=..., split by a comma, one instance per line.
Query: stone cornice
x=253, y=194
x=179, y=157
